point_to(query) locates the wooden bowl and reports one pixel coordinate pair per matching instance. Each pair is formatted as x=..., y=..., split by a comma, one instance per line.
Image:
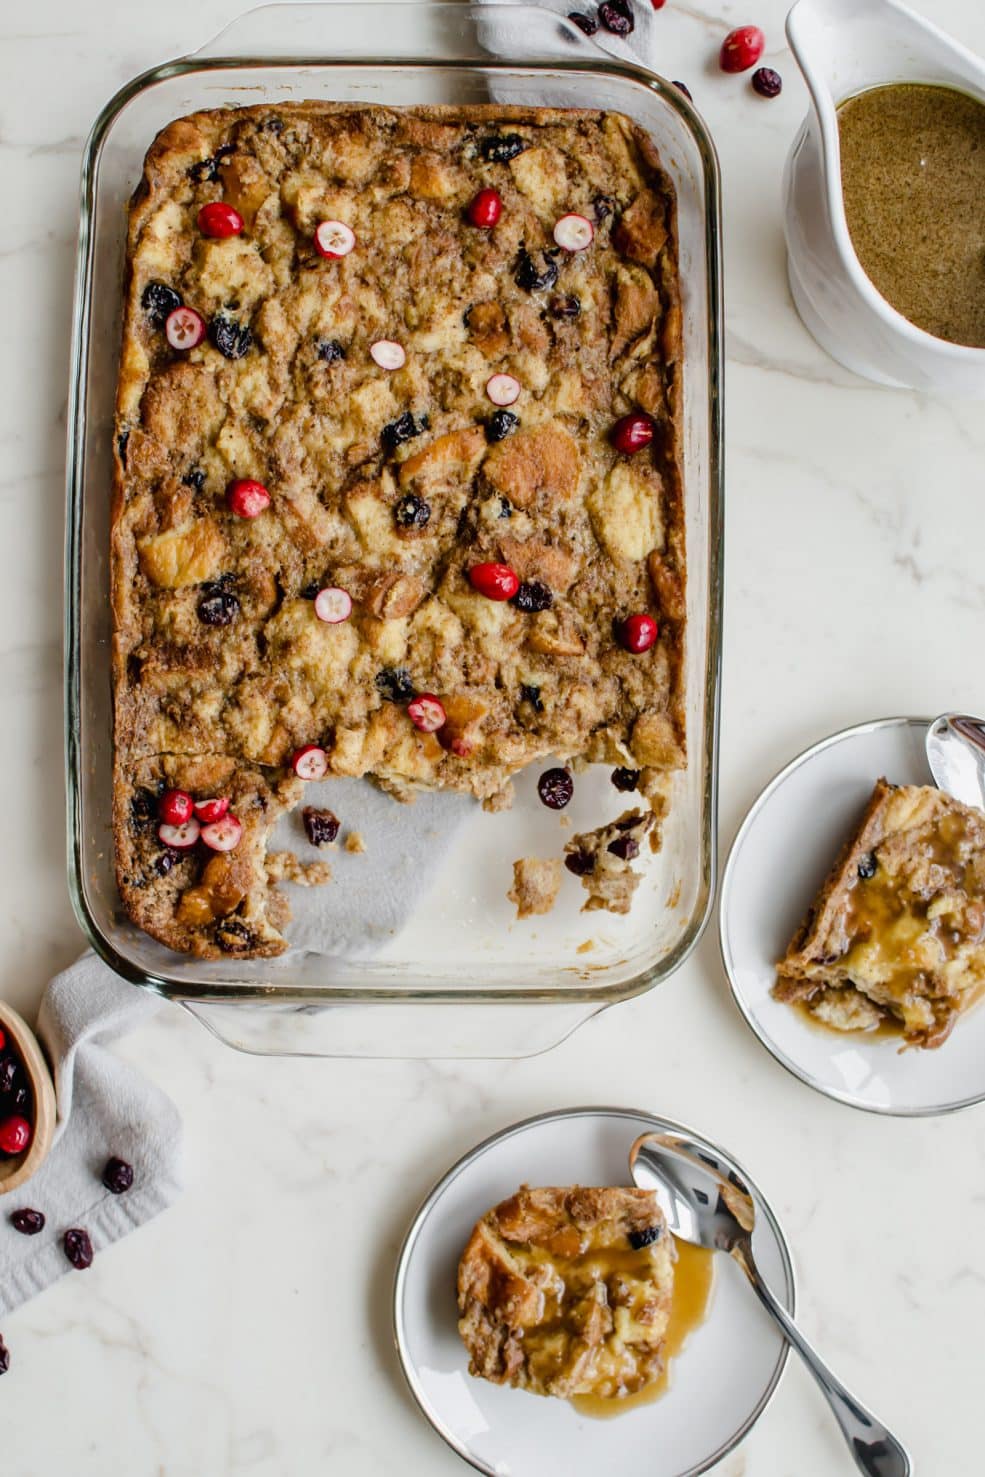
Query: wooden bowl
x=15, y=1172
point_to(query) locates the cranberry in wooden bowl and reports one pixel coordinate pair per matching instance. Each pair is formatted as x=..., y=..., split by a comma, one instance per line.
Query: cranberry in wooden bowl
x=27, y=1102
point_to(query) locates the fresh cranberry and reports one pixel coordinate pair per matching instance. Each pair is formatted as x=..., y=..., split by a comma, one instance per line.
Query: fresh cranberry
x=741, y=49
x=175, y=807
x=334, y=239
x=767, y=82
x=495, y=581
x=658, y=4
x=184, y=328
x=638, y=633
x=426, y=712
x=3, y=1038
x=224, y=835
x=632, y=432
x=180, y=838
x=15, y=1134
x=486, y=209
x=574, y=232
x=246, y=498
x=220, y=220
x=209, y=811
x=310, y=762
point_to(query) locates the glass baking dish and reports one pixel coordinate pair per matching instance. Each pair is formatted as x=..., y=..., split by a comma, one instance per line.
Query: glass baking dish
x=461, y=978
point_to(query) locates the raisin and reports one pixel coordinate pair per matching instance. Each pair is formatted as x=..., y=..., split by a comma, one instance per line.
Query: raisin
x=555, y=788
x=624, y=847
x=166, y=861
x=532, y=695
x=617, y=17
x=194, y=479
x=625, y=779
x=586, y=23
x=581, y=863
x=232, y=339
x=646, y=1237
x=604, y=205
x=867, y=867
x=505, y=508
x=412, y=512
x=117, y=1176
x=275, y=126
x=501, y=148
x=78, y=1248
x=28, y=1222
x=501, y=423
x=206, y=171
x=218, y=609
x=330, y=351
x=526, y=275
x=533, y=595
x=4, y=1357
x=395, y=684
x=404, y=428
x=309, y=591
x=143, y=808
x=565, y=305
x=234, y=936
x=121, y=446
x=157, y=301
x=321, y=826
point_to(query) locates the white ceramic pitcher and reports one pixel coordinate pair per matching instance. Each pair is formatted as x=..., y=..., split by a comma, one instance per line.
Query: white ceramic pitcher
x=843, y=47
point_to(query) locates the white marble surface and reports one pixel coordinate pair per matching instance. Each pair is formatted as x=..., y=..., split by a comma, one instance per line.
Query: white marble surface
x=246, y=1332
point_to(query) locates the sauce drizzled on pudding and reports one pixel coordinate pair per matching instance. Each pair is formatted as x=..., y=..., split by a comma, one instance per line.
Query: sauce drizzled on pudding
x=913, y=179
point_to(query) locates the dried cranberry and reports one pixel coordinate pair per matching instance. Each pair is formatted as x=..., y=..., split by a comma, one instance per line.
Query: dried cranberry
x=586, y=23
x=78, y=1248
x=206, y=171
x=617, y=17
x=505, y=508
x=767, y=82
x=157, y=301
x=166, y=861
x=646, y=1237
x=194, y=479
x=404, y=428
x=625, y=779
x=624, y=847
x=232, y=339
x=527, y=276
x=581, y=863
x=28, y=1222
x=121, y=446
x=233, y=936
x=117, y=1176
x=395, y=684
x=682, y=87
x=555, y=788
x=501, y=423
x=4, y=1357
x=412, y=512
x=218, y=609
x=501, y=148
x=531, y=695
x=321, y=826
x=604, y=206
x=533, y=595
x=566, y=306
x=867, y=867
x=330, y=351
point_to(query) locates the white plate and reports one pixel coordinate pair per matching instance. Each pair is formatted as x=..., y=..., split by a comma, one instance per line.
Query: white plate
x=727, y=1371
x=781, y=856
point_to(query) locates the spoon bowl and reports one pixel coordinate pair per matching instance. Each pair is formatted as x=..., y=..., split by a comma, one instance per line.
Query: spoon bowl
x=955, y=745
x=17, y=1171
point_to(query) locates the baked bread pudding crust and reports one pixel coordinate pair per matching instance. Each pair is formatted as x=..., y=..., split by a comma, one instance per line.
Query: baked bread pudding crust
x=568, y=1291
x=897, y=934
x=218, y=650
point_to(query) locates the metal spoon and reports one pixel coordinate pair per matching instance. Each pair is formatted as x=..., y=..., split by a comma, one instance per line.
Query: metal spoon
x=955, y=745
x=707, y=1202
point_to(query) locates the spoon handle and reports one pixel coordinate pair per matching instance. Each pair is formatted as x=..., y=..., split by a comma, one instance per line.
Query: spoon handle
x=876, y=1451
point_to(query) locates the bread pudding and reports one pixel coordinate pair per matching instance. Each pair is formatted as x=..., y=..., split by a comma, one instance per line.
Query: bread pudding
x=897, y=934
x=397, y=485
x=568, y=1292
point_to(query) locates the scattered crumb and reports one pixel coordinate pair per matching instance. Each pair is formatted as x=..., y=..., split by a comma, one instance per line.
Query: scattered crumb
x=586, y=947
x=502, y=800
x=536, y=884
x=603, y=860
x=354, y=842
x=283, y=866
x=564, y=821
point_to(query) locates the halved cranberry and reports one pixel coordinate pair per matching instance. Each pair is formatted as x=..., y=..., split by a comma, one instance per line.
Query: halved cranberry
x=3, y=1038
x=184, y=328
x=246, y=498
x=486, y=209
x=574, y=232
x=208, y=811
x=638, y=633
x=388, y=354
x=334, y=239
x=333, y=605
x=180, y=837
x=503, y=389
x=632, y=432
x=15, y=1134
x=426, y=712
x=223, y=835
x=741, y=49
x=220, y=220
x=310, y=762
x=175, y=807
x=495, y=581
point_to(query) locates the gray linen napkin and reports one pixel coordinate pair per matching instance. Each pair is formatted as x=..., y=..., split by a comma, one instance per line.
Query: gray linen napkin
x=105, y=1109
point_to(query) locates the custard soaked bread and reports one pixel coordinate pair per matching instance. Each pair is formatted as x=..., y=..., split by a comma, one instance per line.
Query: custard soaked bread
x=397, y=480
x=897, y=934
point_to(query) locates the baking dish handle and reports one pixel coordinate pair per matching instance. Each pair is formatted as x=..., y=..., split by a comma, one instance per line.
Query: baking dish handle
x=411, y=30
